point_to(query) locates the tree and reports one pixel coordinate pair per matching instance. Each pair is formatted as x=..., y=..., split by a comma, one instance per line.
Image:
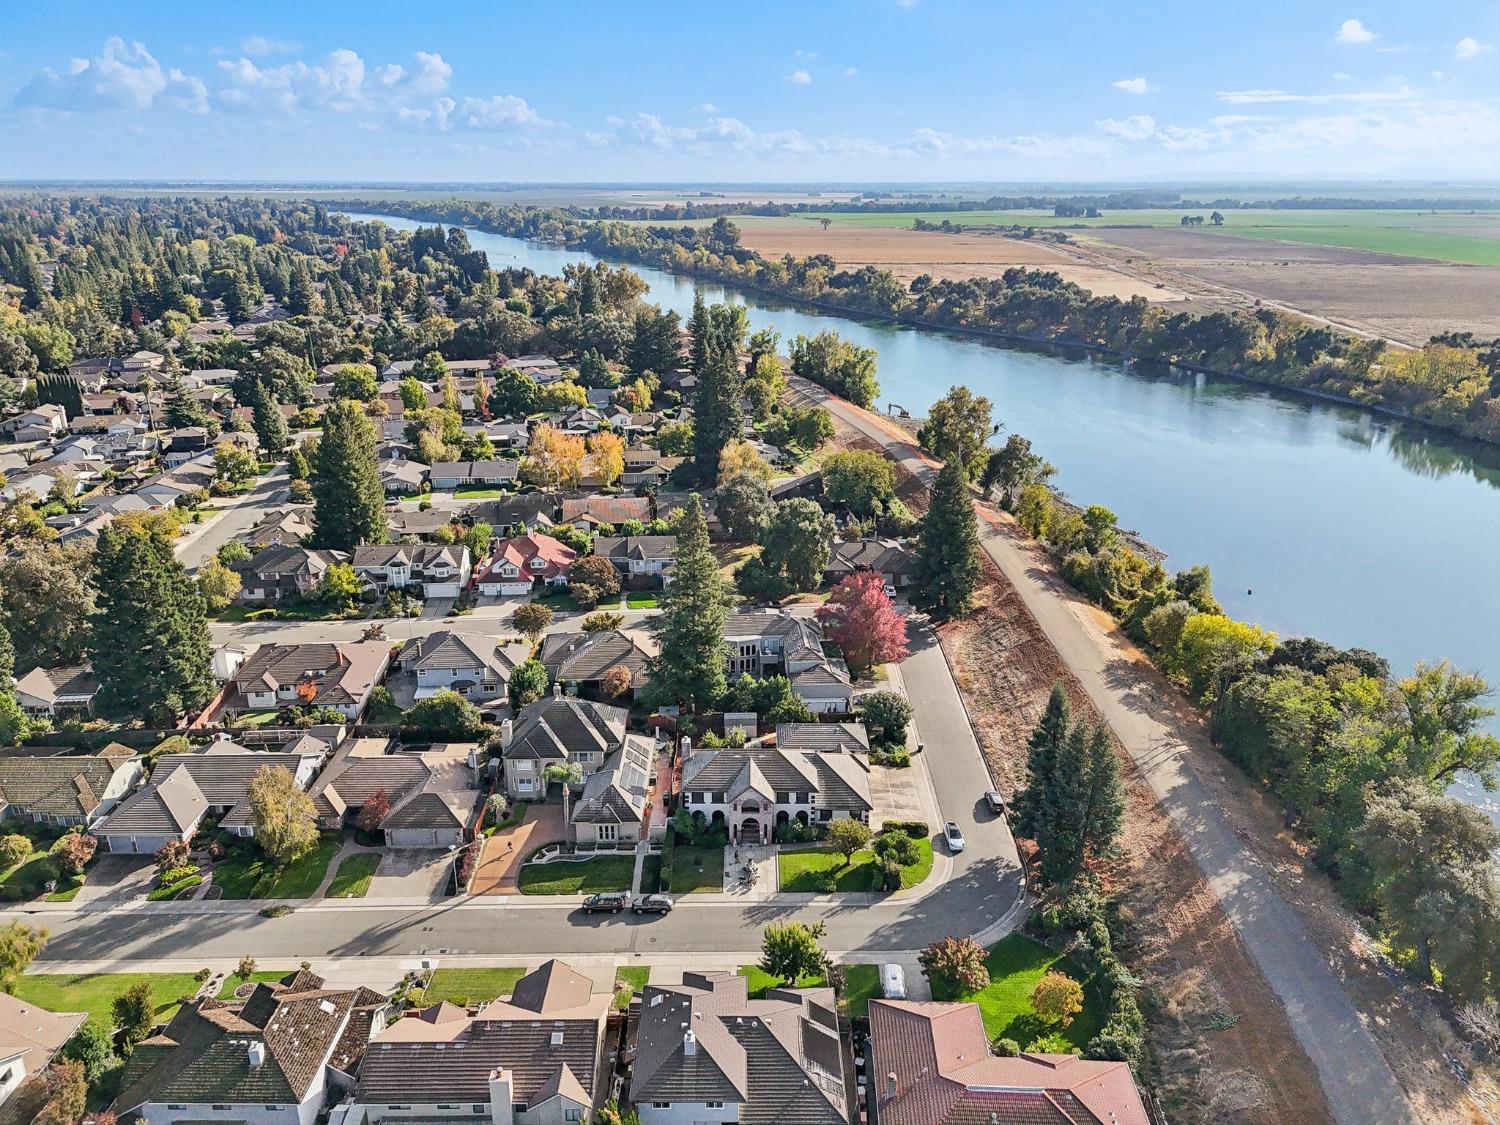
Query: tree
x=67, y=1095
x=772, y=698
x=1442, y=715
x=444, y=716
x=553, y=458
x=897, y=848
x=413, y=395
x=957, y=962
x=151, y=650
x=20, y=945
x=246, y=968
x=172, y=854
x=268, y=421
x=617, y=681
x=528, y=683
x=514, y=394
x=945, y=572
x=860, y=479
x=716, y=407
x=674, y=439
x=339, y=586
x=886, y=715
x=134, y=1012
x=1013, y=468
x=796, y=543
x=375, y=809
x=600, y=573
x=72, y=852
x=356, y=382
x=656, y=342
x=1211, y=645
x=93, y=1046
x=532, y=620
x=846, y=836
x=604, y=621
x=957, y=428
x=14, y=848
x=1057, y=998
x=46, y=604
x=848, y=370
x=689, y=629
x=286, y=825
x=860, y=619
x=219, y=584
x=744, y=506
x=606, y=457
x=738, y=457
x=1432, y=861
x=349, y=500
x=790, y=950
x=567, y=775
x=478, y=538
x=233, y=553
x=1029, y=808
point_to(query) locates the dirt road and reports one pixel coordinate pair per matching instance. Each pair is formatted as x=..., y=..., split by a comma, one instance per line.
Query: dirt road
x=1161, y=735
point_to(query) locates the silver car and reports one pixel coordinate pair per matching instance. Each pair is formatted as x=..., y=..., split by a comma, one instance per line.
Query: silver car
x=954, y=835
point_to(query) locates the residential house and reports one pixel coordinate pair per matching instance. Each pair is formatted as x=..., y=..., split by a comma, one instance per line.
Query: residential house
x=29, y=1037
x=706, y=1052
x=449, y=475
x=557, y=730
x=400, y=477
x=614, y=808
x=884, y=557
x=931, y=1064
x=51, y=691
x=185, y=444
x=642, y=469
x=533, y=510
x=582, y=660
x=756, y=789
x=777, y=643
x=580, y=421
x=823, y=738
x=94, y=372
x=42, y=423
x=668, y=504
x=525, y=563
x=471, y=664
x=503, y=435
x=185, y=789
x=321, y=675
x=589, y=513
x=431, y=790
x=283, y=527
x=638, y=557
x=187, y=480
x=539, y=1058
x=272, y=1059
x=49, y=785
x=543, y=368
x=441, y=570
x=418, y=524
x=284, y=573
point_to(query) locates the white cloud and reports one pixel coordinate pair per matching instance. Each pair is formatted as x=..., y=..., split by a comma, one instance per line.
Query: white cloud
x=1468, y=47
x=1353, y=31
x=1342, y=77
x=499, y=111
x=1133, y=85
x=1136, y=127
x=849, y=72
x=122, y=76
x=799, y=78
x=708, y=107
x=257, y=46
x=810, y=56
x=341, y=83
x=1269, y=97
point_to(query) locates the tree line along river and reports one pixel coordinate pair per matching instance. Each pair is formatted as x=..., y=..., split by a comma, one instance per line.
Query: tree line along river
x=1317, y=519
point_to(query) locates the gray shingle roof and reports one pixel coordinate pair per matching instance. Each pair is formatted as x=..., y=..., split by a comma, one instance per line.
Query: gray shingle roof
x=59, y=784
x=561, y=727
x=585, y=657
x=616, y=793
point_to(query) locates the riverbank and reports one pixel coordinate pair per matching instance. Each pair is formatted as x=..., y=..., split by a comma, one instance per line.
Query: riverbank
x=1485, y=431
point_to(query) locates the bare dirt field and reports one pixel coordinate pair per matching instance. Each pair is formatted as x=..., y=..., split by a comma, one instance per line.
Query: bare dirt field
x=908, y=253
x=1404, y=299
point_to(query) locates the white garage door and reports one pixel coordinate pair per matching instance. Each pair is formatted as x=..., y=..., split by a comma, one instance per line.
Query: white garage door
x=441, y=589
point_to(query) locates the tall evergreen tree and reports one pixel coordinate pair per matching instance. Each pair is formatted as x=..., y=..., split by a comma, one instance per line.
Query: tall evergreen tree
x=270, y=426
x=689, y=666
x=945, y=571
x=64, y=391
x=1064, y=842
x=181, y=408
x=151, y=649
x=1028, y=808
x=1104, y=808
x=349, y=501
x=717, y=417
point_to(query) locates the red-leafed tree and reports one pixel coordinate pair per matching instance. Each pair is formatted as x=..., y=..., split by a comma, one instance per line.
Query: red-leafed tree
x=860, y=619
x=373, y=811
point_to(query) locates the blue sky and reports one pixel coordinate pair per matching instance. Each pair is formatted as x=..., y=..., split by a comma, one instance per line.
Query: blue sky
x=894, y=90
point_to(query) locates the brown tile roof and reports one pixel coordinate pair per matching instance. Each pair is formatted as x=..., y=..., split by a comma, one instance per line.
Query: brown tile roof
x=584, y=657
x=54, y=684
x=184, y=786
x=33, y=1033
x=607, y=509
x=59, y=784
x=945, y=1075
x=344, y=673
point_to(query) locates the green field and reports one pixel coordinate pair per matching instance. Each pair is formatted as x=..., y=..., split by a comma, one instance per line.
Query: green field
x=95, y=993
x=1452, y=236
x=354, y=875
x=246, y=873
x=800, y=869
x=578, y=877
x=473, y=986
x=1015, y=965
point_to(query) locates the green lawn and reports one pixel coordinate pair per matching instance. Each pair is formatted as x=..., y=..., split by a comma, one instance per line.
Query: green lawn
x=247, y=613
x=861, y=985
x=94, y=993
x=697, y=871
x=472, y=985
x=514, y=817
x=263, y=718
x=478, y=493
x=353, y=877
x=641, y=601
x=248, y=874
x=260, y=976
x=651, y=874
x=760, y=980
x=1015, y=965
x=33, y=871
x=799, y=869
x=580, y=877
x=558, y=598
x=637, y=976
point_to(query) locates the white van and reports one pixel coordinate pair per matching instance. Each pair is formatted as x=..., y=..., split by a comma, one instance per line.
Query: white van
x=893, y=982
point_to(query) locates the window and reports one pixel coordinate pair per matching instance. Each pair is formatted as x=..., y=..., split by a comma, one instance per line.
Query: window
x=524, y=783
x=573, y=1115
x=713, y=1105
x=661, y=1105
x=607, y=831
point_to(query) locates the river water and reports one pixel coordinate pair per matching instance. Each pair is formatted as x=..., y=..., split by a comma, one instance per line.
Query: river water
x=1317, y=519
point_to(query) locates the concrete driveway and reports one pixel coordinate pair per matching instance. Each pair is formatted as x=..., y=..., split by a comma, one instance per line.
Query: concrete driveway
x=117, y=879
x=412, y=873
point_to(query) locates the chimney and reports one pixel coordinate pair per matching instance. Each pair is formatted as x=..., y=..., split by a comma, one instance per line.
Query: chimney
x=689, y=1043
x=557, y=690
x=257, y=1055
x=890, y=1087
x=502, y=1097
x=507, y=733
x=687, y=746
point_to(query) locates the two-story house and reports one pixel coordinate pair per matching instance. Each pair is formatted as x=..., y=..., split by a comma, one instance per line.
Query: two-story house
x=441, y=570
x=526, y=563
x=469, y=663
x=583, y=660
x=706, y=1052
x=638, y=557
x=614, y=808
x=283, y=572
x=756, y=789
x=337, y=676
x=554, y=731
x=777, y=643
x=29, y=1037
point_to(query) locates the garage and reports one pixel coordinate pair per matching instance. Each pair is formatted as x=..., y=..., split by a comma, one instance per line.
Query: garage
x=505, y=589
x=119, y=843
x=440, y=590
